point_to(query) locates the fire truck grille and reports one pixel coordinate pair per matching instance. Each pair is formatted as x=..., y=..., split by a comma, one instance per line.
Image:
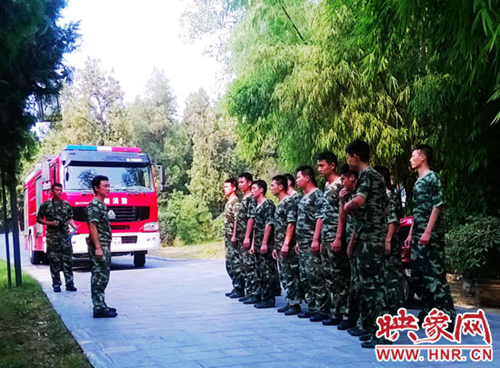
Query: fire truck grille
x=122, y=213
x=129, y=239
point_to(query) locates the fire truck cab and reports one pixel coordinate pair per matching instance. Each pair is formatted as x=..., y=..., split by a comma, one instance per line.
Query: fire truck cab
x=132, y=202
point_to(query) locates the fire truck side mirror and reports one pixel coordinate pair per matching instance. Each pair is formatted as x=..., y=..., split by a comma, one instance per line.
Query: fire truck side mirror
x=161, y=174
x=45, y=176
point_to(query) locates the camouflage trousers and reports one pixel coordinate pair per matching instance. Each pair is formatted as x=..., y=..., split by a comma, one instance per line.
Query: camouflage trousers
x=311, y=274
x=352, y=313
x=289, y=274
x=267, y=275
x=248, y=268
x=60, y=253
x=393, y=276
x=234, y=266
x=428, y=275
x=337, y=273
x=372, y=293
x=100, y=270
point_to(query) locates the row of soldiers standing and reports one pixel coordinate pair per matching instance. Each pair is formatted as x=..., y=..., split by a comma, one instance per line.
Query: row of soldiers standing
x=339, y=249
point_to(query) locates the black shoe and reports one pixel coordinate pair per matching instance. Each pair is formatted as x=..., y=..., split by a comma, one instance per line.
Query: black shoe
x=57, y=289
x=358, y=332
x=112, y=310
x=365, y=337
x=244, y=299
x=236, y=295
x=370, y=344
x=346, y=324
x=317, y=317
x=333, y=321
x=105, y=314
x=263, y=305
x=252, y=300
x=232, y=291
x=71, y=288
x=293, y=310
x=305, y=314
x=283, y=309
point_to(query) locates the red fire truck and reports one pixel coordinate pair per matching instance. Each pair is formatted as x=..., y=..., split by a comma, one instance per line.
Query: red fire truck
x=132, y=202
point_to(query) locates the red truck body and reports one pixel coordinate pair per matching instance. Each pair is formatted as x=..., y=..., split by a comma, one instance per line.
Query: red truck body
x=132, y=203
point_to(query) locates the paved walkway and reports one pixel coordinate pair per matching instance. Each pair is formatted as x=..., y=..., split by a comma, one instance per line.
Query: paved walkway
x=175, y=314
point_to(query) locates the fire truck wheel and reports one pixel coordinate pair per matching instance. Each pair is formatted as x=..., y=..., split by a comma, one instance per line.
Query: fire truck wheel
x=35, y=257
x=407, y=290
x=139, y=259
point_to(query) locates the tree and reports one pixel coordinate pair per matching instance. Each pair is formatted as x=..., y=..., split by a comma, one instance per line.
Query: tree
x=93, y=111
x=156, y=131
x=32, y=45
x=214, y=149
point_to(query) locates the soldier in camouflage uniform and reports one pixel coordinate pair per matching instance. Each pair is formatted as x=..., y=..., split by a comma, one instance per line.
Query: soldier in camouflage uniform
x=349, y=180
x=99, y=243
x=291, y=189
x=263, y=246
x=334, y=248
x=369, y=205
x=233, y=259
x=308, y=232
x=56, y=214
x=285, y=218
x=243, y=236
x=427, y=238
x=393, y=270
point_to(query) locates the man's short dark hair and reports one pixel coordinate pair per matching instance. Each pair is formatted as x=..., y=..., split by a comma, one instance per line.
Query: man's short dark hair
x=347, y=171
x=247, y=176
x=360, y=148
x=427, y=151
x=290, y=178
x=261, y=184
x=96, y=181
x=281, y=180
x=327, y=156
x=386, y=174
x=307, y=170
x=232, y=181
x=55, y=185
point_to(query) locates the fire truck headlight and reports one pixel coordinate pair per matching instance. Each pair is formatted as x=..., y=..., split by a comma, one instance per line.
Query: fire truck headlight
x=151, y=226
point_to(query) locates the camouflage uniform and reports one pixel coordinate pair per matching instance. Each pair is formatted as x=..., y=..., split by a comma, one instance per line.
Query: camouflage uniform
x=285, y=214
x=427, y=261
x=296, y=196
x=353, y=299
x=98, y=212
x=233, y=257
x=335, y=265
x=371, y=231
x=246, y=207
x=393, y=271
x=59, y=248
x=265, y=264
x=311, y=269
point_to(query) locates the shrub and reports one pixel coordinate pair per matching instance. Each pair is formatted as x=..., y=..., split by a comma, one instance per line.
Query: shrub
x=194, y=222
x=474, y=247
x=168, y=215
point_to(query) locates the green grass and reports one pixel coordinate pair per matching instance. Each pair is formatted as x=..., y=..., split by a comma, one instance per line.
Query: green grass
x=31, y=332
x=208, y=250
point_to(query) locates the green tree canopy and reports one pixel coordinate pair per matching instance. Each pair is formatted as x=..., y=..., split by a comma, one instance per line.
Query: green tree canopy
x=32, y=45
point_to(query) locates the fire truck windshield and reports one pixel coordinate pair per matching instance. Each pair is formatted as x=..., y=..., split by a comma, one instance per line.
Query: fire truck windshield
x=136, y=178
